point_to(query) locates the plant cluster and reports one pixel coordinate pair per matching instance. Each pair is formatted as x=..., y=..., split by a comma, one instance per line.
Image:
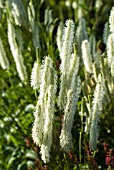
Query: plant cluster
x=57, y=84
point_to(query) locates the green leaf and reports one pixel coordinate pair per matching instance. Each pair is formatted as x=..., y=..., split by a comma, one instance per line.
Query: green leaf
x=14, y=140
x=31, y=154
x=11, y=160
x=22, y=166
x=30, y=164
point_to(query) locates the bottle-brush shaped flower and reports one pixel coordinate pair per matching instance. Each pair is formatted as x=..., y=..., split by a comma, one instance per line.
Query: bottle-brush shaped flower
x=16, y=52
x=42, y=128
x=110, y=48
x=34, y=25
x=112, y=68
x=39, y=115
x=37, y=130
x=69, y=112
x=111, y=20
x=48, y=124
x=74, y=67
x=81, y=34
x=3, y=59
x=19, y=12
x=96, y=111
x=48, y=77
x=65, y=55
x=86, y=55
x=36, y=75
x=16, y=14
x=67, y=45
x=59, y=35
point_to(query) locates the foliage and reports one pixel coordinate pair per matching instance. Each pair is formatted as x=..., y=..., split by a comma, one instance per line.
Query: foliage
x=31, y=30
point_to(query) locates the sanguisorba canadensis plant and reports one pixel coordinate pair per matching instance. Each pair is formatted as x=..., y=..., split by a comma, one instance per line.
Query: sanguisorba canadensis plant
x=44, y=113
x=74, y=100
x=44, y=78
x=70, y=85
x=95, y=84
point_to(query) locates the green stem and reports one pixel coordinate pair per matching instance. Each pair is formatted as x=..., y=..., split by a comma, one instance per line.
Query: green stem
x=80, y=139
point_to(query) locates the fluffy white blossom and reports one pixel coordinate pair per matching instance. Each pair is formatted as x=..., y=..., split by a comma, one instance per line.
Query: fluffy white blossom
x=16, y=14
x=47, y=78
x=65, y=55
x=68, y=35
x=34, y=27
x=69, y=112
x=95, y=113
x=3, y=59
x=111, y=20
x=37, y=130
x=59, y=35
x=86, y=55
x=81, y=34
x=45, y=152
x=16, y=52
x=98, y=5
x=67, y=3
x=112, y=68
x=74, y=5
x=48, y=124
x=36, y=75
x=44, y=113
x=73, y=67
x=110, y=48
x=66, y=137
